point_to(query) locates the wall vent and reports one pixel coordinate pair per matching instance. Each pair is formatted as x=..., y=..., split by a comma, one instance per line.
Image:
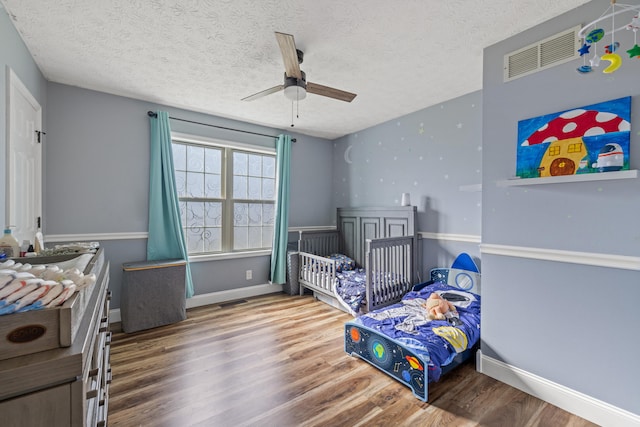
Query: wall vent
x=552, y=51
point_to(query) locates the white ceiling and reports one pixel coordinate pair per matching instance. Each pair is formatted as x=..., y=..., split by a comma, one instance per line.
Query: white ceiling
x=206, y=55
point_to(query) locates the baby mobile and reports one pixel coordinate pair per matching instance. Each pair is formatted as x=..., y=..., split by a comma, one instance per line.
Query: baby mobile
x=591, y=34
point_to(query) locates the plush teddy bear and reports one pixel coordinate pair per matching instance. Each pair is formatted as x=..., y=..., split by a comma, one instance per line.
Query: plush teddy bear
x=438, y=306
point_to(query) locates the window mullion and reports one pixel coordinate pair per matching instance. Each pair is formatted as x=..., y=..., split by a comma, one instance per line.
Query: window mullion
x=227, y=188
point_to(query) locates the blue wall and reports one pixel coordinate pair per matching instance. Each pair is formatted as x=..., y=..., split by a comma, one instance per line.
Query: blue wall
x=572, y=323
x=434, y=154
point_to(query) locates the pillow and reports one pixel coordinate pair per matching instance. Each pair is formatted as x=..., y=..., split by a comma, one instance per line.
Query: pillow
x=343, y=262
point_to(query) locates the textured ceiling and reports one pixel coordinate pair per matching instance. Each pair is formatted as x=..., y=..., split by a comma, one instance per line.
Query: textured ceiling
x=206, y=55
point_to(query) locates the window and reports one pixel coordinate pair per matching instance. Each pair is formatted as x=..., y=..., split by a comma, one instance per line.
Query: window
x=226, y=195
x=554, y=150
x=576, y=147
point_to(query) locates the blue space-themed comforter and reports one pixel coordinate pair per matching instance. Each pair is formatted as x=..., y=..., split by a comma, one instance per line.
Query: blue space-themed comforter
x=350, y=289
x=406, y=322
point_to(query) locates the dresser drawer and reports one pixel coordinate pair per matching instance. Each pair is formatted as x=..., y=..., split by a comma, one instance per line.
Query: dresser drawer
x=44, y=408
x=98, y=373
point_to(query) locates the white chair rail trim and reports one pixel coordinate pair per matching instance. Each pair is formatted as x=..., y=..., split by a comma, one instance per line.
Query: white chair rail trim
x=585, y=258
x=466, y=238
x=470, y=238
x=87, y=237
x=57, y=238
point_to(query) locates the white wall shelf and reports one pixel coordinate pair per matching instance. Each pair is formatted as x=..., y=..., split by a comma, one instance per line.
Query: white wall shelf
x=626, y=174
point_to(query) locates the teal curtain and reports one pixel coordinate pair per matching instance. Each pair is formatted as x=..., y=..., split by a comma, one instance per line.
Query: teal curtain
x=281, y=220
x=166, y=238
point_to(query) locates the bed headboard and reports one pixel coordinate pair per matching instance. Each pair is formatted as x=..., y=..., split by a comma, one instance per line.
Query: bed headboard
x=357, y=225
x=319, y=242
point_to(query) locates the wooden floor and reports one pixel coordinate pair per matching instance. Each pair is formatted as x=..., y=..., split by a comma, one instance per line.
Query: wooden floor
x=278, y=360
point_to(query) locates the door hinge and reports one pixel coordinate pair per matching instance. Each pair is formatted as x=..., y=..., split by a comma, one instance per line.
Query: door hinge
x=40, y=133
x=39, y=222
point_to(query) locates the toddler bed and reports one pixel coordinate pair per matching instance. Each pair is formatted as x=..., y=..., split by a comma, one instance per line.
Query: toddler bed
x=401, y=341
x=369, y=262
x=387, y=274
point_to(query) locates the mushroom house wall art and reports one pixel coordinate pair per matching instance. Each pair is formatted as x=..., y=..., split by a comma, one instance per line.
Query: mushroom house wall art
x=590, y=139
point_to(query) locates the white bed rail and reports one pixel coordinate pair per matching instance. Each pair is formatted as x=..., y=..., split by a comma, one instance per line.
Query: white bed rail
x=317, y=273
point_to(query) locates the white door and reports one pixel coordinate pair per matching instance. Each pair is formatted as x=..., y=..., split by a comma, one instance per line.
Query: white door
x=24, y=169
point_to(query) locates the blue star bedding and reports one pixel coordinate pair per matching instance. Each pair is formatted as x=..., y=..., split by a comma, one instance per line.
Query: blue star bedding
x=403, y=342
x=351, y=282
x=351, y=287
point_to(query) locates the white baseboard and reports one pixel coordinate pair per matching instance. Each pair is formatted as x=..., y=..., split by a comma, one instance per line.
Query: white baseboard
x=216, y=297
x=577, y=403
x=232, y=294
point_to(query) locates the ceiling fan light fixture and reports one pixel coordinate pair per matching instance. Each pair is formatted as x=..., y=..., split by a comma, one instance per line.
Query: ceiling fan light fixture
x=295, y=92
x=295, y=89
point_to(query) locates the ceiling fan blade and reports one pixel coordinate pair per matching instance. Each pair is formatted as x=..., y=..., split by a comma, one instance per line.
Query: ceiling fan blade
x=263, y=93
x=330, y=92
x=289, y=55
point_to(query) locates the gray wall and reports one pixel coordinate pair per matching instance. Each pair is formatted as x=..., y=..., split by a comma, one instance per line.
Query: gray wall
x=14, y=55
x=570, y=323
x=434, y=154
x=97, y=179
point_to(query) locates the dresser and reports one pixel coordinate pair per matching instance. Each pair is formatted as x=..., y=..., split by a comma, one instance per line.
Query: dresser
x=64, y=386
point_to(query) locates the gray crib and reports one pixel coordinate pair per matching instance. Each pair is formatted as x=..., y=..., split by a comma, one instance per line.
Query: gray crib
x=383, y=241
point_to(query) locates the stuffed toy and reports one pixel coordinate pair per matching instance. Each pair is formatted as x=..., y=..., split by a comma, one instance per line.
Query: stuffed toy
x=438, y=307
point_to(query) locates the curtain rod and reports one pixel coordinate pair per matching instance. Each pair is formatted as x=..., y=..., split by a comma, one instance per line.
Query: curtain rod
x=153, y=114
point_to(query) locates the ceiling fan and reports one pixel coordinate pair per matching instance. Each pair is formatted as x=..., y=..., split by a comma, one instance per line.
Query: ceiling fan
x=295, y=84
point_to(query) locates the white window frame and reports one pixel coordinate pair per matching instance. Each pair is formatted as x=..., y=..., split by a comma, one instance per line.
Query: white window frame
x=228, y=148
